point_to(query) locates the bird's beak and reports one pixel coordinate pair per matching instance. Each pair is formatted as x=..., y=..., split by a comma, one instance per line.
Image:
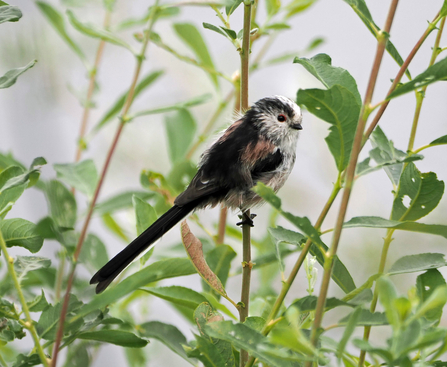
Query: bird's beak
x=296, y=126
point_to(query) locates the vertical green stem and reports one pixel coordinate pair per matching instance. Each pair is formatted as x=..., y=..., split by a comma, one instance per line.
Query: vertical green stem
x=350, y=173
x=127, y=104
x=29, y=324
x=246, y=241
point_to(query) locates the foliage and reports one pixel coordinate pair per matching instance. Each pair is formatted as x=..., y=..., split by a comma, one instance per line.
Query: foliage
x=278, y=332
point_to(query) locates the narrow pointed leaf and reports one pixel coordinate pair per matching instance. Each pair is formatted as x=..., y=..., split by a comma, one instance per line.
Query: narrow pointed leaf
x=144, y=83
x=416, y=263
x=83, y=176
x=192, y=37
x=121, y=201
x=117, y=337
x=434, y=73
x=178, y=295
x=159, y=270
x=96, y=32
x=180, y=128
x=11, y=76
x=9, y=13
x=57, y=21
x=145, y=214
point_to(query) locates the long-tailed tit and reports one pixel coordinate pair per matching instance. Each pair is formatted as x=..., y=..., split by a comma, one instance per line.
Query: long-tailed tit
x=259, y=147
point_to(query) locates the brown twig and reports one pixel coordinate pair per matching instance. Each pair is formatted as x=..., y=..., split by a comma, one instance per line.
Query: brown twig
x=350, y=172
x=112, y=148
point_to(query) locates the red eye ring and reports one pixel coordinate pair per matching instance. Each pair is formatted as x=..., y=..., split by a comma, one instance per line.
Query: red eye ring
x=281, y=118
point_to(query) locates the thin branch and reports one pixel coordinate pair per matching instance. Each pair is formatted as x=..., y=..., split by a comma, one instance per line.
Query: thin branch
x=127, y=104
x=91, y=88
x=246, y=229
x=29, y=324
x=350, y=172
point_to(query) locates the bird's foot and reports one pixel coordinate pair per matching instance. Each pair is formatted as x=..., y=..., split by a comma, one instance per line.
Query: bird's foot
x=246, y=219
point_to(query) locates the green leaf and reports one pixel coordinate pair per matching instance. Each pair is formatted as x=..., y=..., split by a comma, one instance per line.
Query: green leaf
x=257, y=345
x=178, y=295
x=320, y=66
x=26, y=264
x=434, y=73
x=62, y=204
x=180, y=129
x=361, y=9
x=114, y=227
x=121, y=201
x=340, y=274
x=83, y=176
x=57, y=21
x=419, y=262
x=17, y=176
x=96, y=32
x=286, y=235
x=426, y=284
x=11, y=76
x=175, y=107
x=145, y=214
x=440, y=141
x=388, y=296
x=384, y=151
x=339, y=107
x=9, y=13
x=366, y=318
x=433, y=303
x=278, y=26
x=221, y=350
x=27, y=361
x=115, y=109
x=297, y=6
x=39, y=303
x=169, y=335
x=424, y=190
x=272, y=7
x=9, y=196
x=20, y=232
x=117, y=337
x=94, y=253
x=49, y=319
x=207, y=353
x=192, y=37
x=232, y=6
x=352, y=322
x=219, y=260
x=377, y=222
x=215, y=29
x=309, y=303
x=159, y=270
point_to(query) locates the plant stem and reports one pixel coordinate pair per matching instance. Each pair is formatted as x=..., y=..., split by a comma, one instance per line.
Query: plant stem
x=29, y=324
x=420, y=95
x=350, y=172
x=269, y=322
x=127, y=104
x=388, y=238
x=246, y=229
x=399, y=76
x=91, y=88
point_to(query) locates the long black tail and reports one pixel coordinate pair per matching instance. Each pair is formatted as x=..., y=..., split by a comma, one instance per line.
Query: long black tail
x=110, y=271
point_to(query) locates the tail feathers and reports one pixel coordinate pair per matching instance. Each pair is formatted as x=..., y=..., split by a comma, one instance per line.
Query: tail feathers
x=110, y=271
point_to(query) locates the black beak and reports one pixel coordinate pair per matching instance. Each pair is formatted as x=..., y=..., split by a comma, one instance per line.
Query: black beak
x=296, y=126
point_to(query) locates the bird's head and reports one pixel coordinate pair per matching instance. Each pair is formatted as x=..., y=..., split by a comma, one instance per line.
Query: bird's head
x=278, y=118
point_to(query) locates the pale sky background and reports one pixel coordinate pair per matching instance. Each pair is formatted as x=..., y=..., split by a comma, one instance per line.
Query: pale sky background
x=40, y=117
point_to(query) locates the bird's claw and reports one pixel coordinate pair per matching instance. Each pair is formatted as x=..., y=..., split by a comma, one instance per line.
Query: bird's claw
x=246, y=219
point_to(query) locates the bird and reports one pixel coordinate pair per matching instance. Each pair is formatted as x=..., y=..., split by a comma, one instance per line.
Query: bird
x=260, y=146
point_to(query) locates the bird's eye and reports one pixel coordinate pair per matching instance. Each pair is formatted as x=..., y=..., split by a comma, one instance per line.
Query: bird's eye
x=282, y=118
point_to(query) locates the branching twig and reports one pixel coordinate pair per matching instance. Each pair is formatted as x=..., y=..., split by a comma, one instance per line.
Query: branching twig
x=389, y=235
x=82, y=236
x=29, y=324
x=350, y=172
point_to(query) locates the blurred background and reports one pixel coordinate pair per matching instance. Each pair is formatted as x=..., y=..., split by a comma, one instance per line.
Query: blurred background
x=40, y=116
